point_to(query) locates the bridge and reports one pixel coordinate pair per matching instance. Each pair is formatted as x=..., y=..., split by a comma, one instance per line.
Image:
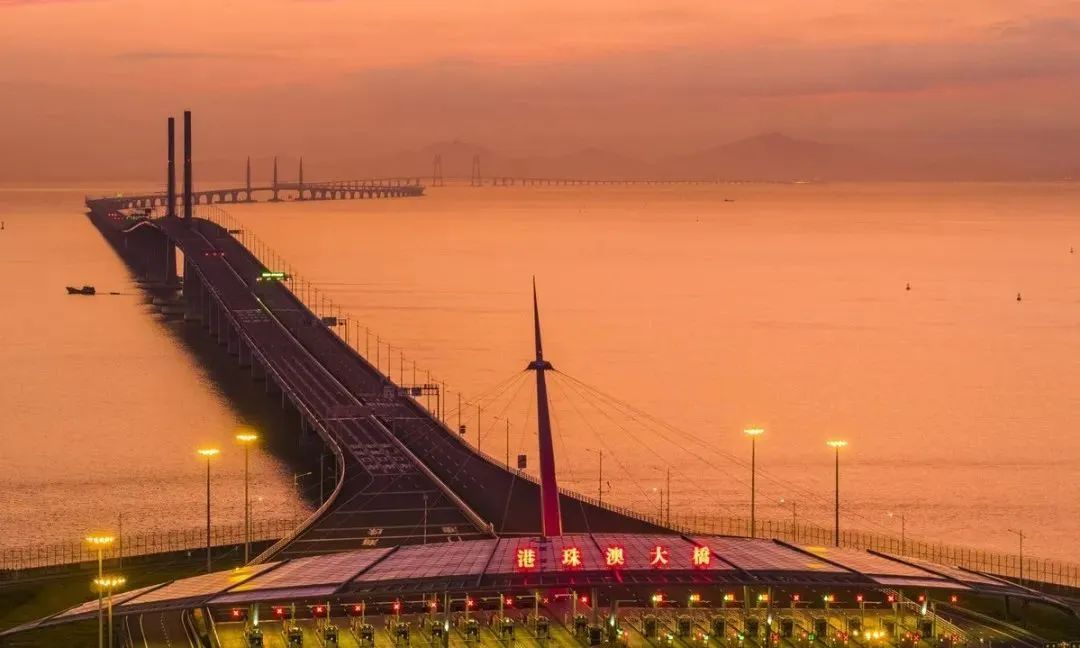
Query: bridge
x=422, y=525
x=276, y=191
x=476, y=179
x=403, y=475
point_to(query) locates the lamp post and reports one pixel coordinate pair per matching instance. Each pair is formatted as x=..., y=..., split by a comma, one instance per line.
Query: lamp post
x=836, y=444
x=99, y=542
x=1020, y=534
x=109, y=583
x=753, y=433
x=209, y=453
x=794, y=518
x=600, y=479
x=247, y=438
x=903, y=530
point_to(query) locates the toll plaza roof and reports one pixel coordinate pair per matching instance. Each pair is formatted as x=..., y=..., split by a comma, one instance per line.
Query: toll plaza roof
x=528, y=563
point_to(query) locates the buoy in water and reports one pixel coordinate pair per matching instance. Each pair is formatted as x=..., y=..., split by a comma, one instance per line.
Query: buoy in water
x=1019, y=297
x=907, y=287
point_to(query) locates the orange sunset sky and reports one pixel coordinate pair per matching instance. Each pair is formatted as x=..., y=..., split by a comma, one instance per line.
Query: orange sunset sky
x=84, y=80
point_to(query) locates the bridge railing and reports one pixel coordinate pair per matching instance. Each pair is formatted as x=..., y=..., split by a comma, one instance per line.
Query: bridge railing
x=141, y=544
x=1007, y=565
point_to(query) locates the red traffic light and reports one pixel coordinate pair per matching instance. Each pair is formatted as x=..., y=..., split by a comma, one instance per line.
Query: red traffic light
x=891, y=598
x=795, y=597
x=509, y=601
x=584, y=599
x=859, y=598
x=954, y=598
x=238, y=614
x=397, y=606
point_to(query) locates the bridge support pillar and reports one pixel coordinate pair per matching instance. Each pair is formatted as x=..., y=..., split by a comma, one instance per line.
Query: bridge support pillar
x=243, y=353
x=170, y=278
x=222, y=326
x=232, y=340
x=192, y=288
x=204, y=308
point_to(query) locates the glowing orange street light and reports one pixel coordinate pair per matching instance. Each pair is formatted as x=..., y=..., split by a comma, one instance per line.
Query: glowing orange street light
x=753, y=433
x=247, y=437
x=108, y=584
x=100, y=542
x=209, y=453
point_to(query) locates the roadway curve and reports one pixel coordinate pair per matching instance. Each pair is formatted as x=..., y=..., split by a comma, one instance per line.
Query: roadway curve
x=394, y=453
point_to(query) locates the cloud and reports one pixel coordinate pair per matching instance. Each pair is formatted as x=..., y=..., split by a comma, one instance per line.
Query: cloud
x=27, y=3
x=179, y=55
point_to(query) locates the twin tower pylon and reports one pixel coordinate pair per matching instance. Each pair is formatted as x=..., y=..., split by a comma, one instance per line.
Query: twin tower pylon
x=437, y=172
x=170, y=181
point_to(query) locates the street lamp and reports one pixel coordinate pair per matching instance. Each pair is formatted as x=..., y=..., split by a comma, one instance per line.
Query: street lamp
x=753, y=433
x=794, y=517
x=209, y=453
x=109, y=583
x=836, y=444
x=247, y=438
x=1020, y=534
x=100, y=542
x=903, y=530
x=600, y=479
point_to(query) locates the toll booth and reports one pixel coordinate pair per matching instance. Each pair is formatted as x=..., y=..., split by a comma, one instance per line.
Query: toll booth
x=439, y=635
x=472, y=630
x=253, y=637
x=614, y=632
x=683, y=626
x=330, y=636
x=543, y=627
x=821, y=628
x=926, y=628
x=854, y=624
x=890, y=627
x=365, y=632
x=294, y=637
x=718, y=626
x=581, y=625
x=506, y=629
x=401, y=634
x=787, y=628
x=753, y=628
x=595, y=635
x=649, y=626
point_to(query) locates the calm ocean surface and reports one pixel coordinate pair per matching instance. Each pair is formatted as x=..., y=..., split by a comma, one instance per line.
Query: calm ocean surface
x=710, y=308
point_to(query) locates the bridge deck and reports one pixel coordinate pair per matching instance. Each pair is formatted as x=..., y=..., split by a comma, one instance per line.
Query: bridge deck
x=397, y=456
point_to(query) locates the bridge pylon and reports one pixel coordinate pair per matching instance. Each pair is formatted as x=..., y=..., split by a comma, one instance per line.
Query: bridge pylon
x=170, y=174
x=476, y=180
x=550, y=513
x=247, y=190
x=436, y=172
x=274, y=185
x=188, y=183
x=300, y=182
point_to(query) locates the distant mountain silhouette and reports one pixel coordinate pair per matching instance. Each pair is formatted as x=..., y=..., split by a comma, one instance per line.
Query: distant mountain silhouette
x=773, y=156
x=769, y=156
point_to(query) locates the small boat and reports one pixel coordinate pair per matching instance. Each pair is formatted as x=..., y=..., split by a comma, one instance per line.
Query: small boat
x=85, y=290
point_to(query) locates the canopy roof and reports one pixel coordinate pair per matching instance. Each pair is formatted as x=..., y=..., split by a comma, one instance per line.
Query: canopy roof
x=507, y=564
